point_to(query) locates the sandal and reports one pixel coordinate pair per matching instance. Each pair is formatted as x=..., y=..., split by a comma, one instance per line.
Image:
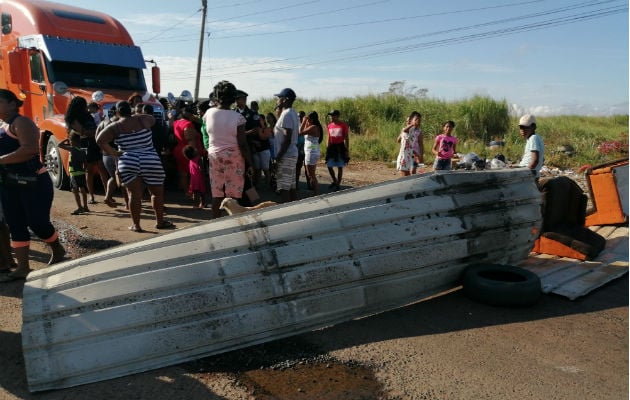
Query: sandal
x=133, y=228
x=165, y=225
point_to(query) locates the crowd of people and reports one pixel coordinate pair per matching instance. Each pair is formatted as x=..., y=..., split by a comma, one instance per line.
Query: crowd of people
x=411, y=153
x=222, y=148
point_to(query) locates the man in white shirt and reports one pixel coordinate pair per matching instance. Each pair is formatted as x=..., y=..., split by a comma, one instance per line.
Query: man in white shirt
x=285, y=135
x=534, y=154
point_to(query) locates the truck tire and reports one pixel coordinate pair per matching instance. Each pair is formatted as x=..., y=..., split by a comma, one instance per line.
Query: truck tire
x=54, y=165
x=501, y=285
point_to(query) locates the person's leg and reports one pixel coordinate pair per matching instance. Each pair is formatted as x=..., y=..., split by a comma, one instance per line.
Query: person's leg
x=313, y=178
x=36, y=210
x=339, y=176
x=6, y=258
x=331, y=171
x=109, y=192
x=17, y=222
x=57, y=251
x=135, y=190
x=89, y=177
x=83, y=191
x=77, y=199
x=102, y=172
x=22, y=258
x=157, y=202
x=216, y=204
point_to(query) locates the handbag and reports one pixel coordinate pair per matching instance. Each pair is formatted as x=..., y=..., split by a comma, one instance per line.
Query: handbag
x=22, y=180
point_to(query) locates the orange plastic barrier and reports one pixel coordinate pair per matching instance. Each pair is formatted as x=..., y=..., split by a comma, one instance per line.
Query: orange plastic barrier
x=549, y=246
x=603, y=185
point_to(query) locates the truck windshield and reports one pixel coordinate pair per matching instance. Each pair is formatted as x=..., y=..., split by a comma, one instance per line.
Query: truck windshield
x=98, y=76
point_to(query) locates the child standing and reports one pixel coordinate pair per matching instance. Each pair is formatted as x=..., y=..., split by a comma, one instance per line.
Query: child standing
x=411, y=149
x=77, y=166
x=444, y=147
x=197, y=184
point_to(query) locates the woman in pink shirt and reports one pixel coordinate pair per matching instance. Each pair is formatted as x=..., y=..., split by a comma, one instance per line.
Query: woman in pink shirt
x=227, y=147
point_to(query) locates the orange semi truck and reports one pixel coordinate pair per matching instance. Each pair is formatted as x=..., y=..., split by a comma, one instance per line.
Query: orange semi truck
x=51, y=52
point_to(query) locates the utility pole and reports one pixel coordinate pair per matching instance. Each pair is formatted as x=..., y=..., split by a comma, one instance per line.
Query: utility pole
x=204, y=5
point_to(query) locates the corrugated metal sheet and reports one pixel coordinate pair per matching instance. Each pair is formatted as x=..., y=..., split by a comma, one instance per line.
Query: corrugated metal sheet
x=263, y=275
x=573, y=278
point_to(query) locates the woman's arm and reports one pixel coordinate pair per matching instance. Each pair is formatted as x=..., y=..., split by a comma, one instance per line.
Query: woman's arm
x=436, y=144
x=28, y=135
x=106, y=136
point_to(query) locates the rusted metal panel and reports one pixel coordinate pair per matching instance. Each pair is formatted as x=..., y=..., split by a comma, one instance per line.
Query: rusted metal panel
x=573, y=278
x=264, y=275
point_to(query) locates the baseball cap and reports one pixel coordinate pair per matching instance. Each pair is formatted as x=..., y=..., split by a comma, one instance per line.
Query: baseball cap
x=335, y=113
x=241, y=93
x=527, y=120
x=286, y=92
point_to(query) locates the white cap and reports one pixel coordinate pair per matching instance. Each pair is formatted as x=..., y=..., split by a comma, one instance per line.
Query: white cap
x=527, y=120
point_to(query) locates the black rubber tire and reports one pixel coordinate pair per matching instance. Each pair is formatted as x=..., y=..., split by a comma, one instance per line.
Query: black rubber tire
x=501, y=285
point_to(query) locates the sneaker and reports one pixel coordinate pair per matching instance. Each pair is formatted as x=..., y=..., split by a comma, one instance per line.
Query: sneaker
x=77, y=211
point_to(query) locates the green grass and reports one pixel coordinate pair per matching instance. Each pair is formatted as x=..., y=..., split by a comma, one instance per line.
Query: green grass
x=375, y=122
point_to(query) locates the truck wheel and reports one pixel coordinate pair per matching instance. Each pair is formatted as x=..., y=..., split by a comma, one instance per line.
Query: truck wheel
x=501, y=285
x=54, y=165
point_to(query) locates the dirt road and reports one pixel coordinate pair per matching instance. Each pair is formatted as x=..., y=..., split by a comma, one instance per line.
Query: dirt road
x=446, y=347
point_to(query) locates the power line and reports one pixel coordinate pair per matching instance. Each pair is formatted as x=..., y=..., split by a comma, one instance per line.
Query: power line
x=356, y=47
x=378, y=21
x=232, y=70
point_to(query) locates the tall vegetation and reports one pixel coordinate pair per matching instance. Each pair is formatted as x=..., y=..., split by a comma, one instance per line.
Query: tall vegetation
x=375, y=122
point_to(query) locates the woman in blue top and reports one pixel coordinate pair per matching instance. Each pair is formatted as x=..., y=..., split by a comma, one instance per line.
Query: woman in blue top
x=24, y=207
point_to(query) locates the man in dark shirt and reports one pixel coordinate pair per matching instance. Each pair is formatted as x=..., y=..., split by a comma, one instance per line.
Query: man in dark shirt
x=253, y=127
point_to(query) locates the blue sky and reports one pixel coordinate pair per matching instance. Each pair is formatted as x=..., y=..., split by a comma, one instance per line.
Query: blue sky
x=547, y=57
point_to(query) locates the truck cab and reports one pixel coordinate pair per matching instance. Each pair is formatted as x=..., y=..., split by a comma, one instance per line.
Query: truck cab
x=51, y=52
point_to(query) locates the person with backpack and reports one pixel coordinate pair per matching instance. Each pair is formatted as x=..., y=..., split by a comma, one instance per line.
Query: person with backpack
x=313, y=133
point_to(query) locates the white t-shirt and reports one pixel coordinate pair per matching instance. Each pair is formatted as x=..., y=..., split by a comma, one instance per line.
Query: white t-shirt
x=221, y=126
x=288, y=120
x=534, y=143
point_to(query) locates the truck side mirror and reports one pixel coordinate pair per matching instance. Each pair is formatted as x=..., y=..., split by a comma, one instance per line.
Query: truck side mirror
x=155, y=79
x=17, y=65
x=7, y=23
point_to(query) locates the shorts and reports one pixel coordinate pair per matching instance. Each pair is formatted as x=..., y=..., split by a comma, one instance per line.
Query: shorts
x=110, y=164
x=262, y=159
x=311, y=157
x=443, y=164
x=144, y=165
x=78, y=181
x=285, y=173
x=227, y=173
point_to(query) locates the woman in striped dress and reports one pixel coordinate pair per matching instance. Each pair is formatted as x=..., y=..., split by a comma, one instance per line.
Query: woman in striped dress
x=138, y=162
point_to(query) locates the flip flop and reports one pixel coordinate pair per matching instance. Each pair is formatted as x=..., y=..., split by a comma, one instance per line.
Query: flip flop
x=135, y=229
x=165, y=225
